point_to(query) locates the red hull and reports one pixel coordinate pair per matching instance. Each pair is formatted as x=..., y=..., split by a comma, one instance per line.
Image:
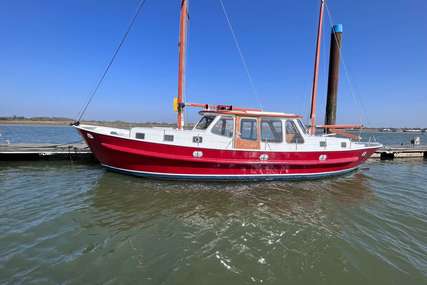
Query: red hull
x=169, y=161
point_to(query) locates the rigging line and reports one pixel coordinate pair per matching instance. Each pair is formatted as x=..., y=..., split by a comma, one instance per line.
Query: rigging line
x=362, y=116
x=323, y=67
x=122, y=41
x=245, y=65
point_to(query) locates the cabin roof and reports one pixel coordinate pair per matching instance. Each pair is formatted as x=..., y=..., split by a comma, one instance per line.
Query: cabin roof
x=250, y=113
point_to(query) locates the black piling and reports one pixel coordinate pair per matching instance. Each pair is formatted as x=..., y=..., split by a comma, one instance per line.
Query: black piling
x=334, y=68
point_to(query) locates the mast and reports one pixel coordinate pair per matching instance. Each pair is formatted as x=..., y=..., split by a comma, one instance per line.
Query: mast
x=316, y=70
x=181, y=67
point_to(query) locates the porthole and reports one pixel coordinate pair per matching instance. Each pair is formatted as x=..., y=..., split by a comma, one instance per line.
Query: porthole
x=197, y=139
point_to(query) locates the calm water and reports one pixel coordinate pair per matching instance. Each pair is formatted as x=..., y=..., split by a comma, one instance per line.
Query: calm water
x=62, y=222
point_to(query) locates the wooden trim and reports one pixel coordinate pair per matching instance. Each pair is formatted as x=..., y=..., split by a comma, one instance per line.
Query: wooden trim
x=253, y=114
x=240, y=143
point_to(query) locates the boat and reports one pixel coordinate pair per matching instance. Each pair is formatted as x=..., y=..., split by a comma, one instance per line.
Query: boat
x=412, y=130
x=228, y=142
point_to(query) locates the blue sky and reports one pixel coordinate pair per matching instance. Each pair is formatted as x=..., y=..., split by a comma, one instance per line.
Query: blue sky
x=52, y=53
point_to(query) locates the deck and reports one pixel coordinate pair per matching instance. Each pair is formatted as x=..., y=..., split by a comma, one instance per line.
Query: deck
x=399, y=151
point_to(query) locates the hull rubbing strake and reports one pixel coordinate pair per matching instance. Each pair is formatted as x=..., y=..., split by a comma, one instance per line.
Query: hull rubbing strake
x=259, y=177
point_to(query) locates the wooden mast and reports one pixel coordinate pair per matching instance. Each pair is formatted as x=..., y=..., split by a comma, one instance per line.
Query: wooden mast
x=316, y=70
x=181, y=66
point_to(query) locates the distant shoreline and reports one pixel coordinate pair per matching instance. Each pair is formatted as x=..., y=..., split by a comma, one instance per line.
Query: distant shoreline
x=42, y=122
x=122, y=124
x=34, y=122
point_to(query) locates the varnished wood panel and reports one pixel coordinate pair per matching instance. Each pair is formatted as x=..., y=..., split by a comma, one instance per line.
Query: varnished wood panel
x=246, y=144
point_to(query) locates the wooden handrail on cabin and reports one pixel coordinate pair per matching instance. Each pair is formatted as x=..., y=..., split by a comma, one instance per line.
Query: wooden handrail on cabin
x=345, y=134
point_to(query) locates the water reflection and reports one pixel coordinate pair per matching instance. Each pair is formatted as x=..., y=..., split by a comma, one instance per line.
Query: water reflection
x=227, y=228
x=137, y=201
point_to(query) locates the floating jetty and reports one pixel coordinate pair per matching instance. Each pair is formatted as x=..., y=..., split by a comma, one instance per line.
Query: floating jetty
x=392, y=152
x=23, y=152
x=80, y=151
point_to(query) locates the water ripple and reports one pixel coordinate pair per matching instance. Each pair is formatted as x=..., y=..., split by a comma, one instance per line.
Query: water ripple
x=57, y=219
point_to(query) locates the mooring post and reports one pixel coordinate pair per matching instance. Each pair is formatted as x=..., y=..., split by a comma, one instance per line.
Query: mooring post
x=334, y=68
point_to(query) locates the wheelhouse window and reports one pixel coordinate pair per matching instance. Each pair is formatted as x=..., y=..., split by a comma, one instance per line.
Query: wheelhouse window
x=302, y=126
x=271, y=130
x=224, y=127
x=292, y=133
x=248, y=129
x=205, y=122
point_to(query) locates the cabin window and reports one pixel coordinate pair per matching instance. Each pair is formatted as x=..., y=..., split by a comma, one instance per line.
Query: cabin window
x=140, y=136
x=224, y=127
x=302, y=126
x=248, y=129
x=168, y=138
x=204, y=122
x=271, y=130
x=292, y=133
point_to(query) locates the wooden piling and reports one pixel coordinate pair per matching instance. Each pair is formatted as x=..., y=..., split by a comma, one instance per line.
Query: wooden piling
x=334, y=68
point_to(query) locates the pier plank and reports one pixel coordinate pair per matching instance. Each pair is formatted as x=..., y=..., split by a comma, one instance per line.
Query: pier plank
x=399, y=151
x=45, y=152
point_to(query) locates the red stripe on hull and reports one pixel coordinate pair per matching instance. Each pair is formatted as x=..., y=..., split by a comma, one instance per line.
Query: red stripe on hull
x=143, y=156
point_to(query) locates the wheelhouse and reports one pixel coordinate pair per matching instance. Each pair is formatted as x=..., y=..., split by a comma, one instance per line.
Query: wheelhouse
x=252, y=130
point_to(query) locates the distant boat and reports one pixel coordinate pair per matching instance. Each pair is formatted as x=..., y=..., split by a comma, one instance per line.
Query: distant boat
x=412, y=130
x=229, y=143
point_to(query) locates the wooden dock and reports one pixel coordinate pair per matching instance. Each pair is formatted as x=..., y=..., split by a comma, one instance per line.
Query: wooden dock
x=81, y=151
x=409, y=151
x=23, y=152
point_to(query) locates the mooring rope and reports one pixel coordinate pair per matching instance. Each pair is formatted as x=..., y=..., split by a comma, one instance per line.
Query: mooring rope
x=242, y=57
x=101, y=79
